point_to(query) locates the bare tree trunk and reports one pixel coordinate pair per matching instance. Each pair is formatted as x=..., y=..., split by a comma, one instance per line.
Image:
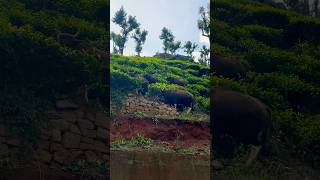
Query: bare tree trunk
x=316, y=8
x=306, y=7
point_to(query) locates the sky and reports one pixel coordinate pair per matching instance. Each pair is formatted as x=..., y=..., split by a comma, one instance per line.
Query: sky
x=180, y=16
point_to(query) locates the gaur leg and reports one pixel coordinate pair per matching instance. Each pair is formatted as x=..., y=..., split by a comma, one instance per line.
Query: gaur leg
x=254, y=151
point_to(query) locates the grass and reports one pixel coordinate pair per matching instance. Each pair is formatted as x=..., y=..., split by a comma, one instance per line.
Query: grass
x=137, y=141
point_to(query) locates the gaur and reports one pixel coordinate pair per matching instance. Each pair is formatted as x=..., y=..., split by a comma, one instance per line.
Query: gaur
x=240, y=116
x=231, y=68
x=177, y=81
x=150, y=78
x=179, y=98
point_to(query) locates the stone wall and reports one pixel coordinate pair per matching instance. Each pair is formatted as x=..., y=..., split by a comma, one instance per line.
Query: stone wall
x=140, y=104
x=71, y=133
x=137, y=165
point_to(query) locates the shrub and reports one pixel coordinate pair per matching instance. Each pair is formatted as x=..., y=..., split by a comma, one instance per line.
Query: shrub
x=269, y=36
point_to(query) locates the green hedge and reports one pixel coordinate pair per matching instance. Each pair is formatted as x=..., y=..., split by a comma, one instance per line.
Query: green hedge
x=34, y=61
x=94, y=10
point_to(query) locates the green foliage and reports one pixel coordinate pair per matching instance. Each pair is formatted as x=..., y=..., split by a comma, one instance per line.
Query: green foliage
x=93, y=169
x=132, y=69
x=48, y=49
x=140, y=37
x=136, y=141
x=269, y=36
x=127, y=25
x=204, y=21
x=281, y=51
x=93, y=10
x=22, y=112
x=123, y=82
x=190, y=47
x=158, y=89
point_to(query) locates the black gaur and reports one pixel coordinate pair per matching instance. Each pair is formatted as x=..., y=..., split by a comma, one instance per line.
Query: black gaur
x=180, y=98
x=240, y=116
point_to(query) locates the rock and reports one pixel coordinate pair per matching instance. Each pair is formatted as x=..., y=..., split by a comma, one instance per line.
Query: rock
x=75, y=129
x=85, y=146
x=66, y=105
x=89, y=133
x=59, y=124
x=56, y=135
x=70, y=117
x=100, y=147
x=13, y=141
x=44, y=134
x=56, y=147
x=102, y=133
x=85, y=124
x=44, y=156
x=91, y=156
x=44, y=145
x=2, y=130
x=71, y=140
x=4, y=150
x=102, y=120
x=75, y=155
x=87, y=140
x=61, y=156
x=217, y=165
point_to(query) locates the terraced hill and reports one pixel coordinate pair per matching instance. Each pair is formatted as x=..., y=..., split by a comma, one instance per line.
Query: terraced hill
x=280, y=50
x=48, y=50
x=155, y=77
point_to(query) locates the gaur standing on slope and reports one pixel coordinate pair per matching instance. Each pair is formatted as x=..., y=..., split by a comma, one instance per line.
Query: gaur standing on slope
x=240, y=116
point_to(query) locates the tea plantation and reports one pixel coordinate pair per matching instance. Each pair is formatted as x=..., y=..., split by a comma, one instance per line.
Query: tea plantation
x=281, y=51
x=129, y=74
x=49, y=50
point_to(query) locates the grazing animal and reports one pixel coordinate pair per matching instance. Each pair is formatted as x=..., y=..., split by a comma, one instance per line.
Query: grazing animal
x=177, y=81
x=240, y=116
x=150, y=78
x=179, y=98
x=230, y=68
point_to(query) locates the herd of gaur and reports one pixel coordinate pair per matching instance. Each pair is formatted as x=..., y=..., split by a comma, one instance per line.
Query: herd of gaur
x=233, y=113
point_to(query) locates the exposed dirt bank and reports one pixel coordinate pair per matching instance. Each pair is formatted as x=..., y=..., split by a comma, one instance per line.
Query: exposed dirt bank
x=171, y=132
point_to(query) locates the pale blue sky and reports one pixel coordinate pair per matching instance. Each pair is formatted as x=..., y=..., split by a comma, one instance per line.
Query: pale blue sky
x=180, y=16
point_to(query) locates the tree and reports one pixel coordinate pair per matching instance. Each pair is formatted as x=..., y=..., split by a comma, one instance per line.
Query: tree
x=174, y=46
x=116, y=39
x=126, y=24
x=316, y=8
x=204, y=56
x=204, y=22
x=296, y=5
x=140, y=38
x=167, y=37
x=189, y=48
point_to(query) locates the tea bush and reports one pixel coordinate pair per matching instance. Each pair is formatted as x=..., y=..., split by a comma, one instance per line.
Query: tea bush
x=280, y=49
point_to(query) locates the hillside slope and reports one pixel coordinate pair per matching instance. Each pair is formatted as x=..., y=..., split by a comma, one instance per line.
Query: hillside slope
x=130, y=74
x=48, y=50
x=281, y=52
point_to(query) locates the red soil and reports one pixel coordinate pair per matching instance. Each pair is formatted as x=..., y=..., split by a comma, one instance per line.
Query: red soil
x=189, y=134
